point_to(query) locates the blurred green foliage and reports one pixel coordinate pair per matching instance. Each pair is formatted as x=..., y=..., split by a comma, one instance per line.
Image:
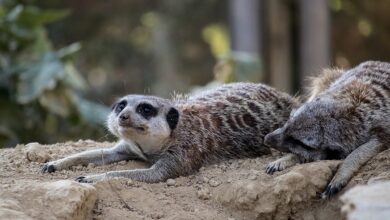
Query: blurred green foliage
x=40, y=88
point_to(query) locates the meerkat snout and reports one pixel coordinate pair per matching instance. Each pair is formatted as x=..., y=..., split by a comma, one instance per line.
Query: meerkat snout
x=275, y=139
x=124, y=120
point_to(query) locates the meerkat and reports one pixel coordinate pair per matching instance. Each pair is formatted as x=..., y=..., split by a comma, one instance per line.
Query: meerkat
x=350, y=120
x=179, y=136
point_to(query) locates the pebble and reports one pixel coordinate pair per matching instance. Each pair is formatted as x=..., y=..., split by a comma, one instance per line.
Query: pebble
x=157, y=215
x=130, y=183
x=171, y=182
x=34, y=152
x=203, y=193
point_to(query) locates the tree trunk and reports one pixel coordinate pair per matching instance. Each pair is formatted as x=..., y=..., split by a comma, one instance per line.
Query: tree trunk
x=278, y=44
x=244, y=23
x=314, y=38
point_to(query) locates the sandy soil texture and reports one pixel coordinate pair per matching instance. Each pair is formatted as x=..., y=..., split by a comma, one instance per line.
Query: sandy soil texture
x=236, y=189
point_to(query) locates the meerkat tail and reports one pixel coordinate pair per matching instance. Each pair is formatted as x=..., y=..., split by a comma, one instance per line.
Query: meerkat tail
x=351, y=164
x=323, y=81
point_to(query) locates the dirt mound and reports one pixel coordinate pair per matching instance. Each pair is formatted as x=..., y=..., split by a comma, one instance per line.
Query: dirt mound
x=236, y=189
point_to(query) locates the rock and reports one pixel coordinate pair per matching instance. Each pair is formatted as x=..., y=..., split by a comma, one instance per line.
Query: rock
x=367, y=201
x=157, y=215
x=171, y=182
x=130, y=182
x=36, y=153
x=203, y=193
x=11, y=209
x=63, y=199
x=277, y=197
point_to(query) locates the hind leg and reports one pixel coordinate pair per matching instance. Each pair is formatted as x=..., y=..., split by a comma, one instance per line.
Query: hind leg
x=351, y=164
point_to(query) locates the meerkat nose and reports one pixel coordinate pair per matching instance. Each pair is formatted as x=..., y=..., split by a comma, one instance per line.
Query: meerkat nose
x=124, y=117
x=273, y=138
x=269, y=139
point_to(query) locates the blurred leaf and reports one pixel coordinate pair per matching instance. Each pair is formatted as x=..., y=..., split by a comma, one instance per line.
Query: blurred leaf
x=56, y=101
x=90, y=111
x=39, y=77
x=41, y=43
x=217, y=37
x=67, y=51
x=38, y=84
x=14, y=13
x=32, y=16
x=73, y=78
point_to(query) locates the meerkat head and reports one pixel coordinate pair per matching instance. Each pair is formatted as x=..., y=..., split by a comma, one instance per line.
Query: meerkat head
x=315, y=126
x=146, y=120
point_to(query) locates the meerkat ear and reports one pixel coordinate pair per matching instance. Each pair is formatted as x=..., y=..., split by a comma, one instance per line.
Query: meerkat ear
x=114, y=105
x=172, y=118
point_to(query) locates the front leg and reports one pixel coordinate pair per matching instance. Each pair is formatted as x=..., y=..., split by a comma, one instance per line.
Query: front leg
x=285, y=162
x=163, y=169
x=351, y=164
x=121, y=151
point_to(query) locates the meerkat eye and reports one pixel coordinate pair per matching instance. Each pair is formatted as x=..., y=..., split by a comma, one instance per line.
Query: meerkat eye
x=120, y=106
x=297, y=142
x=146, y=110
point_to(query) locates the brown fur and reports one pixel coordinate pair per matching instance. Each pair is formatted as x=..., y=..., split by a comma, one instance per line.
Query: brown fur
x=348, y=119
x=323, y=81
x=224, y=123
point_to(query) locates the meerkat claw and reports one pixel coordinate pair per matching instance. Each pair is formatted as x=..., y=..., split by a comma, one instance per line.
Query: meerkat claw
x=82, y=179
x=271, y=169
x=331, y=190
x=48, y=168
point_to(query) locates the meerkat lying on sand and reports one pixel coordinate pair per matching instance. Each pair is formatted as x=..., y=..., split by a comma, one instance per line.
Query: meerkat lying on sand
x=347, y=116
x=179, y=136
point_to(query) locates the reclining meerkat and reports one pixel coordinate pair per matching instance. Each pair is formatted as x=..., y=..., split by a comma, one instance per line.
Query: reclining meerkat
x=349, y=118
x=177, y=137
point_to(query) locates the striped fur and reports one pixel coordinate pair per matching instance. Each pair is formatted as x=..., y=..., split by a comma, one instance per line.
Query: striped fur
x=227, y=122
x=348, y=119
x=181, y=135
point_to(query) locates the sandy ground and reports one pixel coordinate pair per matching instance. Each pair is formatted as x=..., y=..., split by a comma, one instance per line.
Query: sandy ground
x=237, y=189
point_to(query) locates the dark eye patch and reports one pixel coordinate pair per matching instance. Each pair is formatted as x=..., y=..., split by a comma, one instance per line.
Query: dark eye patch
x=299, y=143
x=119, y=106
x=146, y=110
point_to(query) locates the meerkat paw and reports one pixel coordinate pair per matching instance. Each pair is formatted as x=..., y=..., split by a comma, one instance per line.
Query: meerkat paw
x=282, y=163
x=90, y=179
x=49, y=167
x=333, y=188
x=274, y=166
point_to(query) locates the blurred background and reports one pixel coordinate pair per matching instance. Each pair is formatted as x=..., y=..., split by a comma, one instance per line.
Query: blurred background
x=62, y=63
